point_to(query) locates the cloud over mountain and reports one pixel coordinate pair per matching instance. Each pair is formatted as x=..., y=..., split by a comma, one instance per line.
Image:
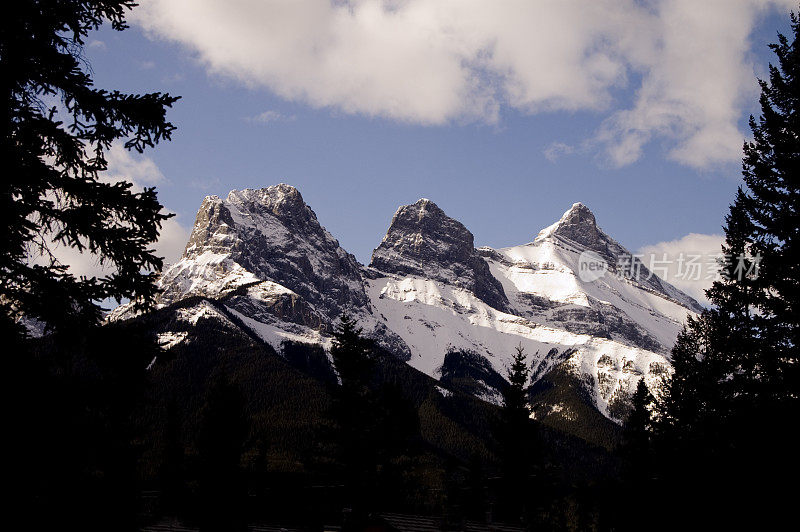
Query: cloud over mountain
x=436, y=62
x=689, y=263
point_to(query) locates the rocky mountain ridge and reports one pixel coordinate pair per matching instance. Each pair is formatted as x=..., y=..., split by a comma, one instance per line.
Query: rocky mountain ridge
x=428, y=293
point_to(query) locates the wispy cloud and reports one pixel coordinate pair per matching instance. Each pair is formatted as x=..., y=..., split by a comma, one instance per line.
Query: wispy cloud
x=143, y=171
x=556, y=150
x=436, y=62
x=96, y=45
x=130, y=166
x=269, y=116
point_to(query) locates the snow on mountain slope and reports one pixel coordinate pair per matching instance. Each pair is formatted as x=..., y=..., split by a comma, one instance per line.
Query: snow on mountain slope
x=543, y=282
x=616, y=329
x=433, y=318
x=548, y=270
x=264, y=257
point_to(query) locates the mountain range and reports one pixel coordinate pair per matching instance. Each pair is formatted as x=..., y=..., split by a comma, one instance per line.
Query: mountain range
x=259, y=261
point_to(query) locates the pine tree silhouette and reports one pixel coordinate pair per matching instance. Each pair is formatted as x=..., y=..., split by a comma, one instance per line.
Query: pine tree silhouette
x=355, y=416
x=516, y=440
x=52, y=156
x=721, y=433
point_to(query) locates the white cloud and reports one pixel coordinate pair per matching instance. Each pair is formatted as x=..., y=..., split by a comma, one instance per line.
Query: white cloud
x=694, y=84
x=270, y=116
x=689, y=262
x=172, y=240
x=439, y=61
x=131, y=166
x=170, y=244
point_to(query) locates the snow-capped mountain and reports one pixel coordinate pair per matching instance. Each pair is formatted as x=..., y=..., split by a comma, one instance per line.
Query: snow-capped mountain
x=422, y=241
x=428, y=295
x=265, y=235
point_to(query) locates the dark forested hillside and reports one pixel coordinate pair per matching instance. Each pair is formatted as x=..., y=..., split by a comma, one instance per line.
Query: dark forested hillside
x=290, y=464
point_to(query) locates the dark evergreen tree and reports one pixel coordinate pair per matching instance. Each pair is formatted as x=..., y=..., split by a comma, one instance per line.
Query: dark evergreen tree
x=770, y=206
x=355, y=416
x=516, y=441
x=378, y=427
x=636, y=451
x=70, y=429
x=735, y=384
x=57, y=129
x=352, y=355
x=75, y=451
x=515, y=396
x=638, y=425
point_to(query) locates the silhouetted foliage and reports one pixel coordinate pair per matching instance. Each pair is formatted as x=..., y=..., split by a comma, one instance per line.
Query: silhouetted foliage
x=721, y=435
x=636, y=453
x=355, y=414
x=79, y=385
x=75, y=461
x=638, y=429
x=57, y=130
x=352, y=355
x=517, y=441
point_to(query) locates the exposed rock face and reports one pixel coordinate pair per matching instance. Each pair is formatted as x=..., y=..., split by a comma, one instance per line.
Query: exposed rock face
x=270, y=302
x=430, y=298
x=579, y=225
x=604, y=321
x=266, y=235
x=423, y=241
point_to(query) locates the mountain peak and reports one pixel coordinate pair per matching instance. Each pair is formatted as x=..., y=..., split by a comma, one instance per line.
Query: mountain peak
x=578, y=214
x=422, y=208
x=577, y=224
x=423, y=241
x=266, y=234
x=277, y=199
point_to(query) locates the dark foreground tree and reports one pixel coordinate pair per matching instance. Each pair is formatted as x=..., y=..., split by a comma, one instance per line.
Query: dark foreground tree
x=377, y=426
x=638, y=429
x=516, y=442
x=352, y=355
x=636, y=454
x=70, y=433
x=56, y=130
x=72, y=392
x=723, y=433
x=355, y=416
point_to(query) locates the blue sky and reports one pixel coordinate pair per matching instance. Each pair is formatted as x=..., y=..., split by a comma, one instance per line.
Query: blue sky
x=503, y=136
